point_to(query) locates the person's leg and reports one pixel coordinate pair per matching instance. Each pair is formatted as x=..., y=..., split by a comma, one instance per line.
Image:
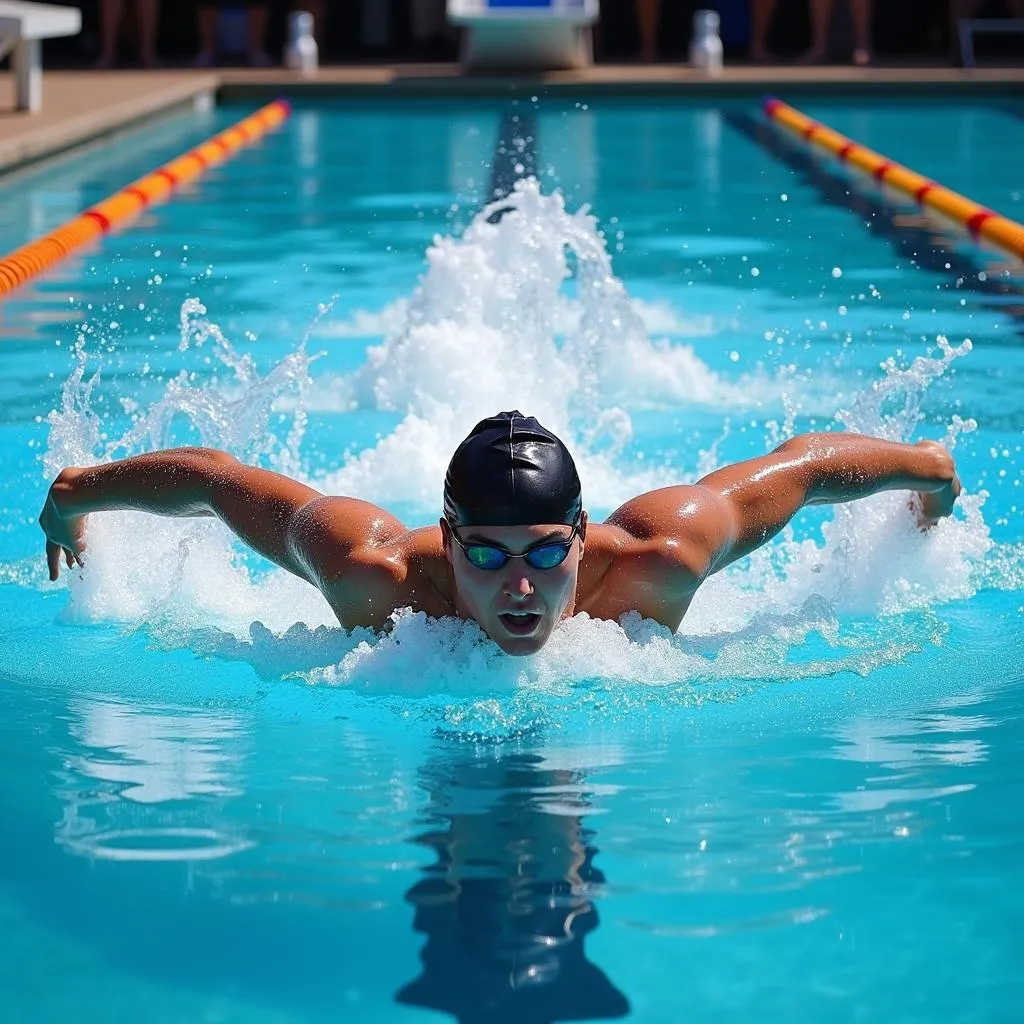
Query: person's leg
x=111, y=12
x=958, y=10
x=821, y=21
x=648, y=13
x=258, y=57
x=762, y=12
x=421, y=24
x=206, y=26
x=862, y=12
x=149, y=18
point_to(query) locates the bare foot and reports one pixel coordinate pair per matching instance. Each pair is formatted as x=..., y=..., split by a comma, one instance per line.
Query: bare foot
x=260, y=59
x=862, y=56
x=815, y=55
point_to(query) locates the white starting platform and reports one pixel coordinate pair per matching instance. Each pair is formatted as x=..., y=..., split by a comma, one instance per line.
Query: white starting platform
x=525, y=34
x=23, y=26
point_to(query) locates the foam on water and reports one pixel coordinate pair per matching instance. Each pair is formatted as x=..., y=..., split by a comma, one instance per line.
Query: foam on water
x=526, y=312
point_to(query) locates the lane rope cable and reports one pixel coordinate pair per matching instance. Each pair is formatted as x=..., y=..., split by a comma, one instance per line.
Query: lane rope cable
x=36, y=257
x=981, y=222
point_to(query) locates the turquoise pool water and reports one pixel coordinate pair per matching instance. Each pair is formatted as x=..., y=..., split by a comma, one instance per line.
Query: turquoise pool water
x=804, y=806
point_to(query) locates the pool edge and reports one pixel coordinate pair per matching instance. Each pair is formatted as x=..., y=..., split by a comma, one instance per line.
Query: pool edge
x=31, y=139
x=82, y=107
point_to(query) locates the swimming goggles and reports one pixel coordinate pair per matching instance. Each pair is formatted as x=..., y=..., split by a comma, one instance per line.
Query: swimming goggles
x=545, y=555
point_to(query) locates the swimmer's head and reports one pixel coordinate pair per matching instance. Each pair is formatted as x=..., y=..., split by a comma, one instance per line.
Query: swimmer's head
x=512, y=491
x=511, y=471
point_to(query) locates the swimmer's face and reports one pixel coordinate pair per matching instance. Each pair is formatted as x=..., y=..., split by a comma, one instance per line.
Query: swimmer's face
x=517, y=605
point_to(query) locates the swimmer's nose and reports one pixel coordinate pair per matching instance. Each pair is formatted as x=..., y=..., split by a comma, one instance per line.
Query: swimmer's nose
x=518, y=588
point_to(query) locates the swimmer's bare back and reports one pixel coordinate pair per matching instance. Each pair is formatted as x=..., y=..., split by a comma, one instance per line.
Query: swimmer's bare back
x=650, y=556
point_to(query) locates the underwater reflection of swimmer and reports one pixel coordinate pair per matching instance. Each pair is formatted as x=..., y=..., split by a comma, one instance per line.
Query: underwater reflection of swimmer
x=506, y=907
x=130, y=765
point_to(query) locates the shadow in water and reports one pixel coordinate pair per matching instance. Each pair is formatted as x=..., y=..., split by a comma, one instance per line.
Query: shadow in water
x=919, y=239
x=508, y=904
x=515, y=157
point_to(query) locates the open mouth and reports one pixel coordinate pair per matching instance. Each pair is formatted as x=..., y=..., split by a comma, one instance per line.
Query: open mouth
x=520, y=623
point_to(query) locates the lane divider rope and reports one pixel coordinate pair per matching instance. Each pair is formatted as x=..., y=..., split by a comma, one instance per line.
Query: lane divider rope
x=979, y=221
x=33, y=259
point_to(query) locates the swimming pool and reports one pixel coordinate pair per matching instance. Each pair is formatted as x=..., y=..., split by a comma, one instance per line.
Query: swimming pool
x=804, y=806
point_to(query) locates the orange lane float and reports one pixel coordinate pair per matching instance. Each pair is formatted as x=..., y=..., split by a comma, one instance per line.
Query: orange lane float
x=980, y=221
x=38, y=256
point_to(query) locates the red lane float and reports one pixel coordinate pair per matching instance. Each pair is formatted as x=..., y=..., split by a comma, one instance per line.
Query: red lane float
x=38, y=256
x=979, y=220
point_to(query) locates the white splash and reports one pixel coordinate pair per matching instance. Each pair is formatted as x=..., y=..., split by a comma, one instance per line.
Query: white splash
x=491, y=326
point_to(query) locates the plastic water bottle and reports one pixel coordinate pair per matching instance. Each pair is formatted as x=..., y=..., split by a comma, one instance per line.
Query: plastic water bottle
x=706, y=47
x=301, y=53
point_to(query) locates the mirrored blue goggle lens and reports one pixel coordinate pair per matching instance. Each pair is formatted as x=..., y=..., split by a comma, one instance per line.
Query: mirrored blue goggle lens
x=484, y=557
x=548, y=556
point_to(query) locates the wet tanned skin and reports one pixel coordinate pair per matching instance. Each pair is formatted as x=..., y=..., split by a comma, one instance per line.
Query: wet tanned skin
x=650, y=556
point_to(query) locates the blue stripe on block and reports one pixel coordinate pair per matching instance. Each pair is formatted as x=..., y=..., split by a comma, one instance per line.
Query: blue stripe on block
x=520, y=3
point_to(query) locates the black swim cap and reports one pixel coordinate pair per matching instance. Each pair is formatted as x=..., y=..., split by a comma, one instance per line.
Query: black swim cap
x=510, y=471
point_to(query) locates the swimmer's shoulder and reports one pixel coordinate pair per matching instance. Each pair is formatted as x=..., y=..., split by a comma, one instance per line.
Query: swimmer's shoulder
x=367, y=563
x=618, y=554
x=649, y=556
x=679, y=525
x=428, y=576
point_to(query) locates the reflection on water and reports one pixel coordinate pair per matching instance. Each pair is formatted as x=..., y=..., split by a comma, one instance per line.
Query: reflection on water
x=910, y=747
x=126, y=756
x=506, y=907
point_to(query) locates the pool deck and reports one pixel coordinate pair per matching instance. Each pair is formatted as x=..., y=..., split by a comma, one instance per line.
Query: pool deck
x=79, y=106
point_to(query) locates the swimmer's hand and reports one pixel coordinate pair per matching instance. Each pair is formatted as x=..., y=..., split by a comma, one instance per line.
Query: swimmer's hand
x=933, y=505
x=65, y=533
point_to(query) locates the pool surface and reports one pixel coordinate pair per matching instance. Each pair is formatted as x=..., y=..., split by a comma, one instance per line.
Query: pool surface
x=803, y=806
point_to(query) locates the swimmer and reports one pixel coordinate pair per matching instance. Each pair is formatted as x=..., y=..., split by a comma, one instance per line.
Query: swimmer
x=513, y=549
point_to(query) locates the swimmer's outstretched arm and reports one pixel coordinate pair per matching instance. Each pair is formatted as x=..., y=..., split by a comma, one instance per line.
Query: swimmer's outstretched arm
x=757, y=498
x=311, y=535
x=681, y=535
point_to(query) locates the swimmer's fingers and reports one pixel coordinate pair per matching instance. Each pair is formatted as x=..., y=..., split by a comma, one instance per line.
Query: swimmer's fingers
x=931, y=506
x=71, y=558
x=73, y=555
x=53, y=553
